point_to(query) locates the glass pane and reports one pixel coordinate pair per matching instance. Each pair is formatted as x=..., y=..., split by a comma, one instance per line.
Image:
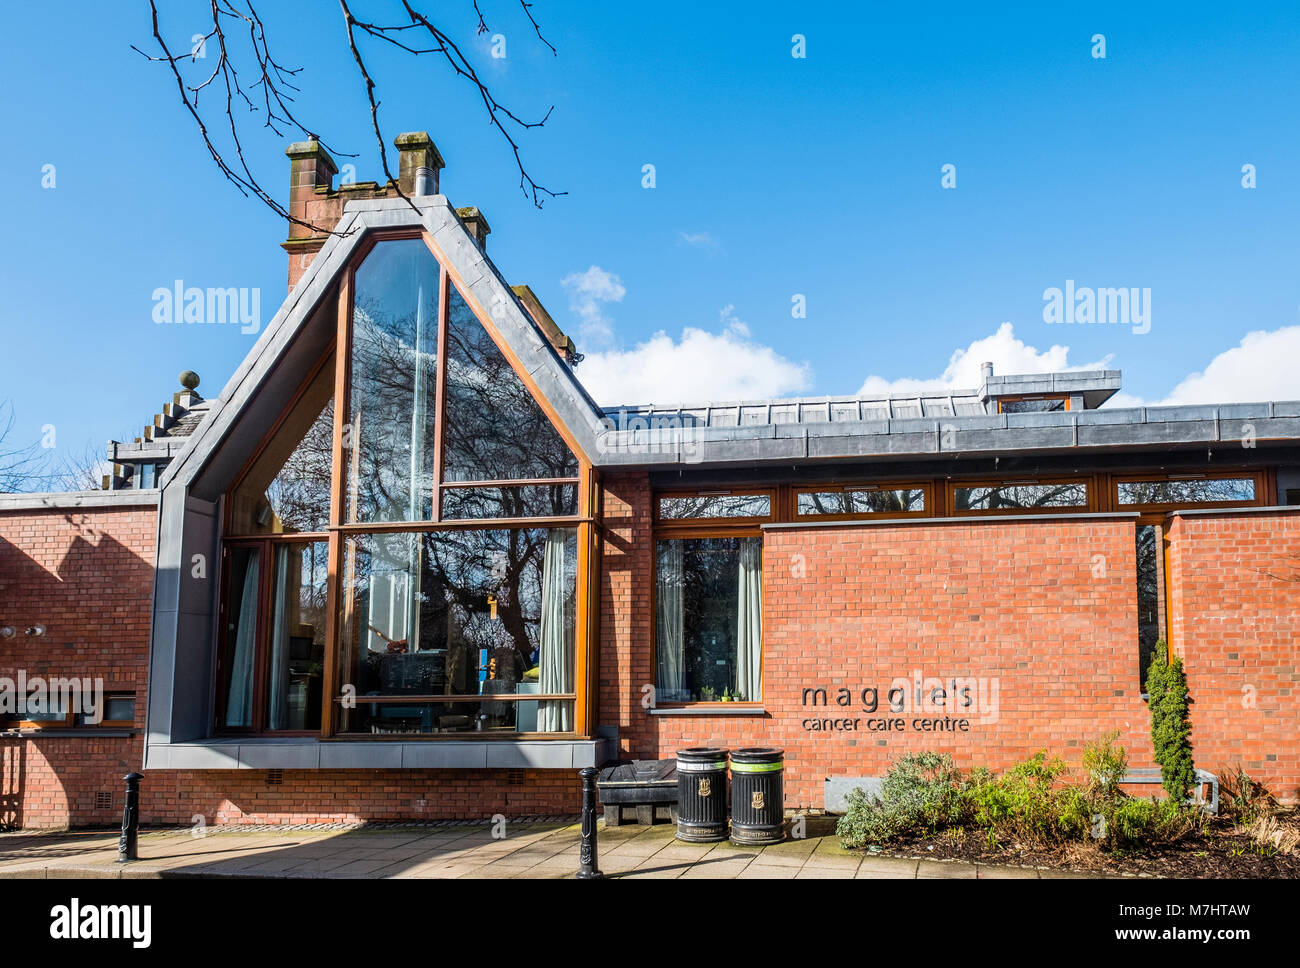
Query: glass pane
x=862, y=501
x=390, y=439
x=120, y=708
x=495, y=430
x=1148, y=595
x=708, y=620
x=525, y=501
x=1197, y=491
x=1017, y=496
x=240, y=642
x=1033, y=406
x=716, y=506
x=297, y=640
x=288, y=487
x=460, y=613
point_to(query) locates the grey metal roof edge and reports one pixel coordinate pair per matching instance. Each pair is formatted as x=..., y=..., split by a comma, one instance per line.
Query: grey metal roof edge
x=958, y=435
x=1270, y=509
x=66, y=500
x=963, y=519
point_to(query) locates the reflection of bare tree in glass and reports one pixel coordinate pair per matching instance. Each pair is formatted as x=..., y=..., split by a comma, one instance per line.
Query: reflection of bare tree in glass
x=715, y=506
x=861, y=501
x=494, y=429
x=385, y=362
x=1148, y=595
x=710, y=571
x=1197, y=491
x=1022, y=496
x=300, y=493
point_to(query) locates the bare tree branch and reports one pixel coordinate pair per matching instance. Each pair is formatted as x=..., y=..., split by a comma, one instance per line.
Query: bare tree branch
x=276, y=85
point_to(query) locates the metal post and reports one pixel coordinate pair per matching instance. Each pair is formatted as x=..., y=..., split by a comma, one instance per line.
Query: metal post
x=587, y=869
x=126, y=846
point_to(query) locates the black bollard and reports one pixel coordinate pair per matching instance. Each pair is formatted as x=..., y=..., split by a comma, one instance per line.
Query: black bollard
x=587, y=869
x=126, y=846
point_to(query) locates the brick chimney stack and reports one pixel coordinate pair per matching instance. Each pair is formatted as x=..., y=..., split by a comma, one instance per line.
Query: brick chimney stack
x=314, y=199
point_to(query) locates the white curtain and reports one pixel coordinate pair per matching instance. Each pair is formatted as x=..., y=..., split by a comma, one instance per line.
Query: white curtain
x=669, y=635
x=239, y=700
x=280, y=612
x=556, y=637
x=749, y=619
x=395, y=593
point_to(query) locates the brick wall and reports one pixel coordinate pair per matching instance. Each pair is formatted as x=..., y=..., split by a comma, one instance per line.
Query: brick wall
x=1235, y=619
x=87, y=576
x=1046, y=608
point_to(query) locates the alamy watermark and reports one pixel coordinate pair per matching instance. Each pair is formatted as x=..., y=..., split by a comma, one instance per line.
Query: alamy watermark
x=211, y=306
x=36, y=697
x=1082, y=304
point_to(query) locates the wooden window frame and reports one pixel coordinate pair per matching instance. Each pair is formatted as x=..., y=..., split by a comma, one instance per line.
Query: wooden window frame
x=685, y=534
x=925, y=486
x=1089, y=497
x=1258, y=475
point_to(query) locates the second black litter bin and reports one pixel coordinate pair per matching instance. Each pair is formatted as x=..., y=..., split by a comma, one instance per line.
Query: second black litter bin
x=757, y=796
x=702, y=795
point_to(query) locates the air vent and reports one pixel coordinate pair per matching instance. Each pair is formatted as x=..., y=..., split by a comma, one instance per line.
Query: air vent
x=274, y=777
x=514, y=777
x=104, y=800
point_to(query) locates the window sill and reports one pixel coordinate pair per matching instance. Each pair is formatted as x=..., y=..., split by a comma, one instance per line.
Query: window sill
x=66, y=733
x=710, y=709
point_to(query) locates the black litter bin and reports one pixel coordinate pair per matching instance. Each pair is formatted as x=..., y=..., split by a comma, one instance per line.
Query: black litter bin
x=757, y=796
x=702, y=795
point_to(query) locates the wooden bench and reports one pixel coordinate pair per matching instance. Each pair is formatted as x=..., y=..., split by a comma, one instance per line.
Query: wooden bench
x=1204, y=778
x=647, y=788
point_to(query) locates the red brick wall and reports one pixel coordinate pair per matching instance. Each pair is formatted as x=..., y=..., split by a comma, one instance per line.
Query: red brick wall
x=1047, y=608
x=346, y=796
x=87, y=576
x=1235, y=619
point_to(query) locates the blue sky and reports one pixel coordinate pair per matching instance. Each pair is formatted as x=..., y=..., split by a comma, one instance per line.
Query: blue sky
x=775, y=177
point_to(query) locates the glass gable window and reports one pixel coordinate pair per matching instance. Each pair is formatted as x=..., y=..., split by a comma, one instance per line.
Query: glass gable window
x=393, y=388
x=709, y=619
x=481, y=617
x=1204, y=490
x=861, y=500
x=1021, y=496
x=287, y=489
x=439, y=626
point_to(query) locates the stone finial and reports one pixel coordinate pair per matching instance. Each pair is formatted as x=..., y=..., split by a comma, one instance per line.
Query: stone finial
x=189, y=379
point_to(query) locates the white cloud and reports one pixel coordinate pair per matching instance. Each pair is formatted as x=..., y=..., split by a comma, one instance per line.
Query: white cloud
x=1007, y=354
x=588, y=292
x=702, y=366
x=1263, y=366
x=700, y=240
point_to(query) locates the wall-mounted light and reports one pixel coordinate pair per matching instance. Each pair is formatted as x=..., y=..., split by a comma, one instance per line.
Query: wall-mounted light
x=7, y=632
x=34, y=630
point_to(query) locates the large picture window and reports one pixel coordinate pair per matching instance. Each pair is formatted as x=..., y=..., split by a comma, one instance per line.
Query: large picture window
x=709, y=619
x=398, y=550
x=459, y=631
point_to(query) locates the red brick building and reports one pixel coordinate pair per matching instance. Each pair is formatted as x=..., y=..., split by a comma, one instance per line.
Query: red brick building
x=404, y=567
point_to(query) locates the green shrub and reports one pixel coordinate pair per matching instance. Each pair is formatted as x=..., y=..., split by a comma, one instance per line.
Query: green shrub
x=1106, y=763
x=1171, y=727
x=922, y=791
